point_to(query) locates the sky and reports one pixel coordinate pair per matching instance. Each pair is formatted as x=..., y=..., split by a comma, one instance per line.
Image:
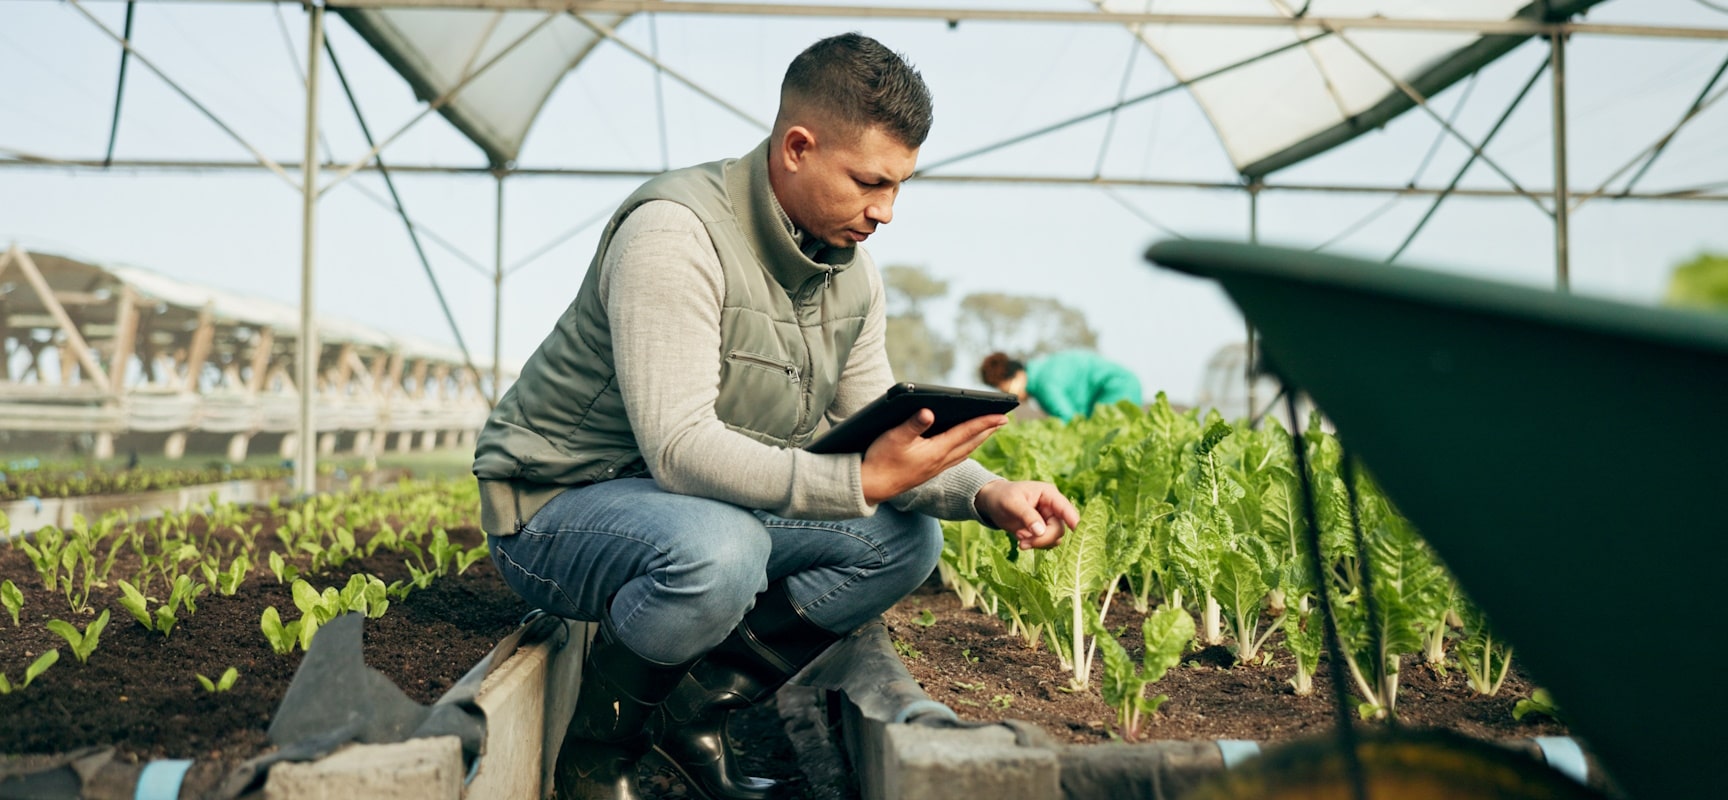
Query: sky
x=1080, y=245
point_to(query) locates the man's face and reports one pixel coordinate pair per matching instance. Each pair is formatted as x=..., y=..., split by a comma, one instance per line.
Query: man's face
x=839, y=190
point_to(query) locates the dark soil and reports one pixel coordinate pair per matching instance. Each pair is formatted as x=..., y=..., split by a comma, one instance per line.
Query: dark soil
x=139, y=691
x=968, y=661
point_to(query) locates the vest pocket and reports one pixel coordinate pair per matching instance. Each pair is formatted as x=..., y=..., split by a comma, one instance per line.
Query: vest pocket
x=760, y=395
x=786, y=368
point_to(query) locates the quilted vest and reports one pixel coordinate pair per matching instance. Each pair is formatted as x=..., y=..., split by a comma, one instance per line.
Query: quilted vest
x=787, y=326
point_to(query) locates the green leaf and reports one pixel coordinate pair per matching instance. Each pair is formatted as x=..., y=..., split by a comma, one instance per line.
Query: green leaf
x=11, y=597
x=305, y=597
x=271, y=624
x=5, y=685
x=1166, y=632
x=134, y=602
x=226, y=682
x=39, y=666
x=209, y=685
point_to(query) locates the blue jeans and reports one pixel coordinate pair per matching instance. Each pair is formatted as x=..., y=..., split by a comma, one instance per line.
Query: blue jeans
x=679, y=572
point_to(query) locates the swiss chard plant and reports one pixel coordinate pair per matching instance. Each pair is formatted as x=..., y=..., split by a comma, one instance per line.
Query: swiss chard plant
x=83, y=642
x=1167, y=632
x=31, y=673
x=12, y=599
x=221, y=684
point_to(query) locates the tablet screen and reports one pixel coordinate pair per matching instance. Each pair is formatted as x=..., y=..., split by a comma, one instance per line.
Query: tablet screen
x=952, y=406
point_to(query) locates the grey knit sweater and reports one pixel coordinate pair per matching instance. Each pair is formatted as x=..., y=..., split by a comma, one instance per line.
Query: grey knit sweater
x=662, y=284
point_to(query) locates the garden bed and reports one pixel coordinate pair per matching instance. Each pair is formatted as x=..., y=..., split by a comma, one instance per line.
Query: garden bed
x=967, y=660
x=139, y=691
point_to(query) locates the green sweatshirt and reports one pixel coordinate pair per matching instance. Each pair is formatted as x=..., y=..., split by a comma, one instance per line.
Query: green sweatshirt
x=1070, y=383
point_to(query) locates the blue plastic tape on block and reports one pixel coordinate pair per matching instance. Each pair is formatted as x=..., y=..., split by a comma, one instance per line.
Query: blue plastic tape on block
x=1564, y=754
x=160, y=780
x=922, y=708
x=1236, y=751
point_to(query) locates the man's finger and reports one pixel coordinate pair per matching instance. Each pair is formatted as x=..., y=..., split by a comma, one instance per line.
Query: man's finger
x=916, y=425
x=971, y=428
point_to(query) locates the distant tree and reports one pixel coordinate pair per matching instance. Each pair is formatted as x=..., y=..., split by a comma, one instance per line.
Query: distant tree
x=916, y=352
x=908, y=287
x=1700, y=283
x=1022, y=326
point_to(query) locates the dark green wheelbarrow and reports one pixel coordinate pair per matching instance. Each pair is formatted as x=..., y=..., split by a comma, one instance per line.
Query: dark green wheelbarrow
x=1566, y=456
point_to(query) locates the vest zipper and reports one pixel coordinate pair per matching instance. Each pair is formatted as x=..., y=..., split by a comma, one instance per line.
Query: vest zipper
x=751, y=358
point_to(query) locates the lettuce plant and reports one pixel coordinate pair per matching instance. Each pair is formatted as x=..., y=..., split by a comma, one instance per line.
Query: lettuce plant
x=222, y=684
x=31, y=673
x=12, y=599
x=83, y=642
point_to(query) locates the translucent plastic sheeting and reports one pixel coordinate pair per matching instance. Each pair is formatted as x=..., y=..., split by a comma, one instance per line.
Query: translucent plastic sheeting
x=436, y=50
x=1300, y=102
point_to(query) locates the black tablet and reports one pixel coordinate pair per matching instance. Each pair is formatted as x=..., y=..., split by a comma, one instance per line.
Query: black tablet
x=952, y=406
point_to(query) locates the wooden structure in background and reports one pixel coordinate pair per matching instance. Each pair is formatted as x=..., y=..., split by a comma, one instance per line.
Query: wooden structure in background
x=111, y=351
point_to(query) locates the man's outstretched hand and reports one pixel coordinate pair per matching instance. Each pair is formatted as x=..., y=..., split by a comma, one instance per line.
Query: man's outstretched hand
x=902, y=458
x=1034, y=512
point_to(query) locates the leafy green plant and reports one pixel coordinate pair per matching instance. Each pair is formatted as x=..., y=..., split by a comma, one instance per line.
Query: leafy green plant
x=282, y=637
x=1002, y=701
x=1303, y=638
x=1485, y=660
x=1539, y=702
x=183, y=594
x=907, y=651
x=1167, y=633
x=227, y=581
x=222, y=684
x=31, y=673
x=284, y=571
x=83, y=642
x=1076, y=571
x=925, y=618
x=12, y=598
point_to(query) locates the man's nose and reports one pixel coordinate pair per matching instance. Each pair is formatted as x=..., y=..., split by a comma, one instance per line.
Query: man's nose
x=881, y=212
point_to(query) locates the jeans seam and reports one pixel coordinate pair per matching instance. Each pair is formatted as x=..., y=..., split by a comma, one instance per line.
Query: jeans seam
x=573, y=605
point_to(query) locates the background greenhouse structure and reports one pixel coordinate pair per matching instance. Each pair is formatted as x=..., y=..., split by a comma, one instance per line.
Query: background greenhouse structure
x=314, y=230
x=1274, y=92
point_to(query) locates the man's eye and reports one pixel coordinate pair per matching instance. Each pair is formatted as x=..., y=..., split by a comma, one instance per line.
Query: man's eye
x=867, y=184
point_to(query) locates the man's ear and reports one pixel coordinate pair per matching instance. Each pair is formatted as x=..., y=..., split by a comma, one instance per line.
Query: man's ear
x=795, y=146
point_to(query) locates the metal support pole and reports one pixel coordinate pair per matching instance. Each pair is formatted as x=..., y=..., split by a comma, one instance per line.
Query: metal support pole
x=1562, y=256
x=498, y=299
x=305, y=463
x=1253, y=238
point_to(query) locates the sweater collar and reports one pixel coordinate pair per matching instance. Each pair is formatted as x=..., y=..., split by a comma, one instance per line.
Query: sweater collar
x=777, y=241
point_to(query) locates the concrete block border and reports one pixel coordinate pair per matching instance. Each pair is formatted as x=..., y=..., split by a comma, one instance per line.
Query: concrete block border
x=905, y=746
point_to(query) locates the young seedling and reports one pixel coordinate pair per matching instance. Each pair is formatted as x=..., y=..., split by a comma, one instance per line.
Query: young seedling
x=32, y=672
x=284, y=571
x=221, y=684
x=83, y=642
x=1166, y=632
x=13, y=599
x=282, y=637
x=1537, y=703
x=925, y=618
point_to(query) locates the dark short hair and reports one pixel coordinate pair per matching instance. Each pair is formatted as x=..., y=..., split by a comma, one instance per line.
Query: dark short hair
x=855, y=81
x=998, y=368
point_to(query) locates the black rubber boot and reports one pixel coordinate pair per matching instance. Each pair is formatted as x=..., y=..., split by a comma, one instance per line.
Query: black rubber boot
x=608, y=731
x=768, y=647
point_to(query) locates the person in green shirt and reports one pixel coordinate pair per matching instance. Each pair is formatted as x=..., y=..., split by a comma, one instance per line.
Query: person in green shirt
x=1067, y=385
